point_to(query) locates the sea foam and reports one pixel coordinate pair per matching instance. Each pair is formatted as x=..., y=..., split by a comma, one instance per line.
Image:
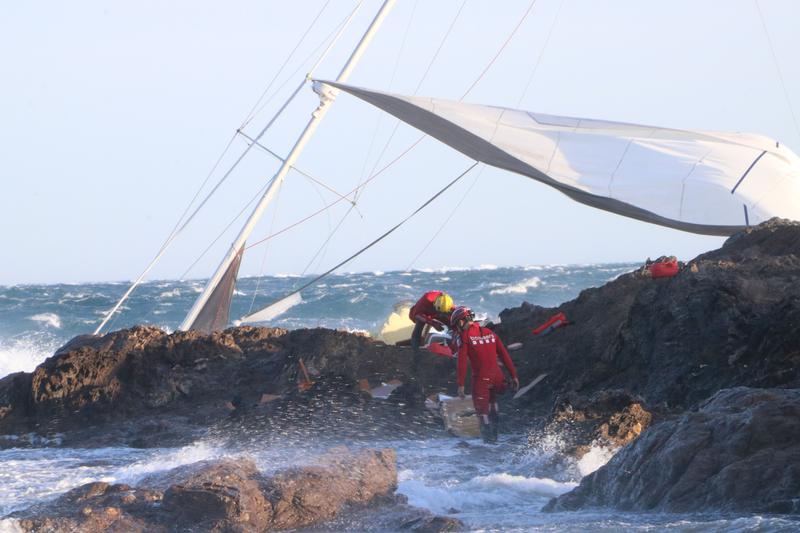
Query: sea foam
x=48, y=319
x=518, y=288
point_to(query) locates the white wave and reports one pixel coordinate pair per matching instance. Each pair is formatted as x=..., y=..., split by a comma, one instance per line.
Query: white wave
x=23, y=355
x=198, y=451
x=518, y=288
x=358, y=298
x=237, y=292
x=481, y=492
x=378, y=273
x=48, y=319
x=596, y=457
x=283, y=275
x=542, y=486
x=170, y=294
x=10, y=525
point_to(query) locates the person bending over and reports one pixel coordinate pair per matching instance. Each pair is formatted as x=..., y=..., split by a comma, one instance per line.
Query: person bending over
x=433, y=309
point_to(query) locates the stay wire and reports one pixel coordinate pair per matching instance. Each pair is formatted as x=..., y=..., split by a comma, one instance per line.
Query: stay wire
x=250, y=114
x=380, y=238
x=500, y=50
x=315, y=213
x=320, y=253
x=778, y=68
x=541, y=54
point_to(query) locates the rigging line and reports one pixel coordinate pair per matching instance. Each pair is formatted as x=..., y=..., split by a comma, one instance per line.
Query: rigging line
x=250, y=115
x=541, y=53
x=312, y=215
x=335, y=35
x=500, y=50
x=298, y=170
x=421, y=81
x=391, y=84
x=224, y=230
x=778, y=68
x=447, y=220
x=266, y=251
x=381, y=237
x=176, y=230
x=324, y=245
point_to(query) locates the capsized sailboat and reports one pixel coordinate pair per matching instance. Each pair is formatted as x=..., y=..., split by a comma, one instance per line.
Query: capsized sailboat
x=697, y=181
x=702, y=182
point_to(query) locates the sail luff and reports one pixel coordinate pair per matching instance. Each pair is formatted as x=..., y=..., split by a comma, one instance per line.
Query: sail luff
x=326, y=98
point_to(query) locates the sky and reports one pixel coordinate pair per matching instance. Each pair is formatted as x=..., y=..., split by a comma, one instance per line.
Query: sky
x=112, y=115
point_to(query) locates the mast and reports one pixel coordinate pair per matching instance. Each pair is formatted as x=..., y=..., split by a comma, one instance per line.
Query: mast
x=327, y=95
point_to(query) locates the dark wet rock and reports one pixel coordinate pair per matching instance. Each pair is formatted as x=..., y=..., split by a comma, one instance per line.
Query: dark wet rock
x=739, y=452
x=226, y=495
x=610, y=419
x=305, y=495
x=144, y=387
x=731, y=318
x=218, y=496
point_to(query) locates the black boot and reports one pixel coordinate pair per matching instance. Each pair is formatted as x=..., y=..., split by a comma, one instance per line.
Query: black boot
x=488, y=434
x=494, y=422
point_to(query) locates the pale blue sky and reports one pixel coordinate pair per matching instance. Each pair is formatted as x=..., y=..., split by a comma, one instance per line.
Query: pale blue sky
x=112, y=114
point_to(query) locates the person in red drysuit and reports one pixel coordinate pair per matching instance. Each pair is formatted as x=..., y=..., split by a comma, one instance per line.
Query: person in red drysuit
x=432, y=309
x=482, y=347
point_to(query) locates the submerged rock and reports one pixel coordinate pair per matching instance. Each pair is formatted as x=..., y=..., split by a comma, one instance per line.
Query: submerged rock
x=226, y=495
x=739, y=452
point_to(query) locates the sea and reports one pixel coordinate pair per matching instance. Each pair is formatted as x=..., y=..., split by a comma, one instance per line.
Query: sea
x=489, y=487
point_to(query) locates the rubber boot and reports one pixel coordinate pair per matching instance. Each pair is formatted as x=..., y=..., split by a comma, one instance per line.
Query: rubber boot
x=486, y=430
x=494, y=422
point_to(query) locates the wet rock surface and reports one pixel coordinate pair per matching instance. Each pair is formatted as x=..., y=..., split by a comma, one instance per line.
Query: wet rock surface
x=739, y=452
x=640, y=354
x=232, y=495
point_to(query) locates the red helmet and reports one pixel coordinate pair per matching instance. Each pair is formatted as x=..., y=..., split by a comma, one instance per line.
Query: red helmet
x=459, y=314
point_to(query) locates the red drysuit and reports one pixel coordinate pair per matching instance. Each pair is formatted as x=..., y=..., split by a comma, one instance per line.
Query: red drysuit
x=424, y=308
x=483, y=347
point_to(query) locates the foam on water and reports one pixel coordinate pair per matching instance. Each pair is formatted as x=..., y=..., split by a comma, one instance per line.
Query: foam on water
x=47, y=319
x=23, y=355
x=596, y=457
x=518, y=288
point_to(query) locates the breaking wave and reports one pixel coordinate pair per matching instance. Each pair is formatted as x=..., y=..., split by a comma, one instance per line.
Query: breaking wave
x=518, y=288
x=23, y=355
x=48, y=319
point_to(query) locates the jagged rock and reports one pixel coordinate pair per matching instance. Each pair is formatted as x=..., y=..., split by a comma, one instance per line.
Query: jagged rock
x=108, y=385
x=608, y=418
x=226, y=495
x=220, y=495
x=305, y=495
x=733, y=319
x=739, y=452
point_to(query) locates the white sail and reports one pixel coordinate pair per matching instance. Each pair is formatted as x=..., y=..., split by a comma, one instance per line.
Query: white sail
x=274, y=310
x=702, y=182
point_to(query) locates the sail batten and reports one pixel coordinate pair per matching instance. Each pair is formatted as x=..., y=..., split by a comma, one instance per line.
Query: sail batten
x=690, y=180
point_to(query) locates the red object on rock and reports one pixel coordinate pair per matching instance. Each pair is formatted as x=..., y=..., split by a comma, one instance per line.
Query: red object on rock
x=555, y=322
x=440, y=349
x=665, y=269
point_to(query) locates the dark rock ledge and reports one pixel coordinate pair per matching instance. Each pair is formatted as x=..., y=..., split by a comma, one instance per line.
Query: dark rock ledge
x=232, y=495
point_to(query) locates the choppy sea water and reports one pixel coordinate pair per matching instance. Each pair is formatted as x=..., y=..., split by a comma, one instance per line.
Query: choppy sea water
x=490, y=488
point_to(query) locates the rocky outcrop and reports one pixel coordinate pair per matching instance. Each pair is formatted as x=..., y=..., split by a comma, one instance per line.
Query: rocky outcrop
x=740, y=451
x=610, y=419
x=227, y=495
x=730, y=318
x=144, y=387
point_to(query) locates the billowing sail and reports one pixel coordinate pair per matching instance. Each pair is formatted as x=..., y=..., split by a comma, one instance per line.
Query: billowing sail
x=702, y=182
x=215, y=314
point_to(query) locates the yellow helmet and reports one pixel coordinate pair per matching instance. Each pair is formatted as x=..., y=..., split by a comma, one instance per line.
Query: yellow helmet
x=443, y=303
